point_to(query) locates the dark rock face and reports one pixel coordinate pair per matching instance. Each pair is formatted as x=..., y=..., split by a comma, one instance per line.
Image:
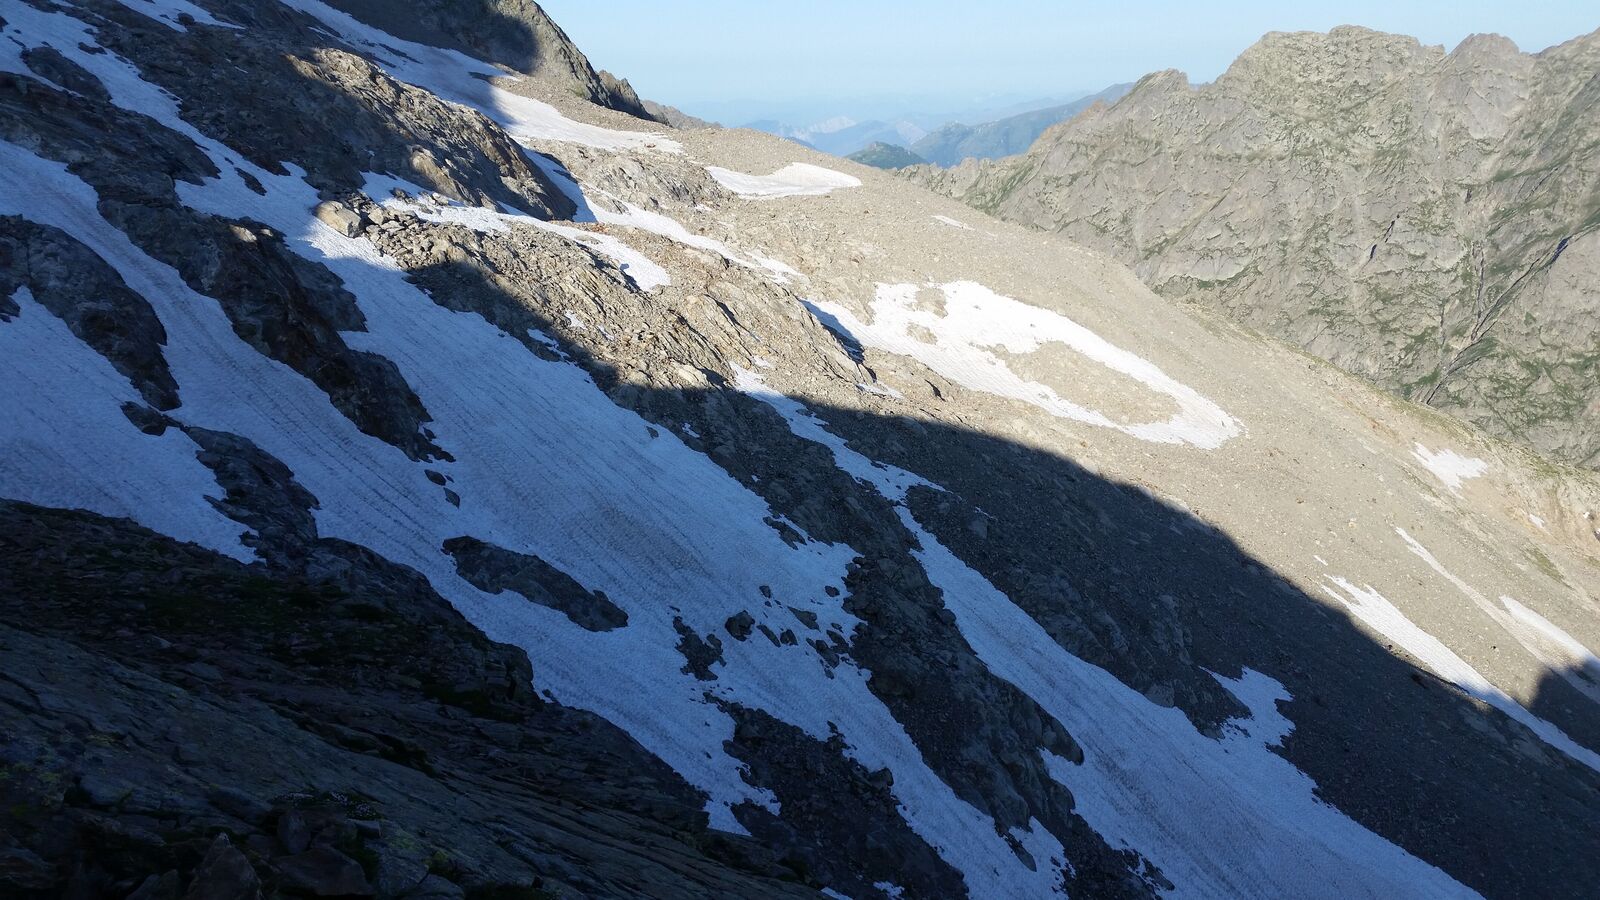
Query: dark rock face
x=348, y=732
x=829, y=800
x=68, y=279
x=496, y=570
x=699, y=653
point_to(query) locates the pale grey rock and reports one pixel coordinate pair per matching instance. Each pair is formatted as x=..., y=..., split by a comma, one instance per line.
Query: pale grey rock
x=1427, y=220
x=339, y=217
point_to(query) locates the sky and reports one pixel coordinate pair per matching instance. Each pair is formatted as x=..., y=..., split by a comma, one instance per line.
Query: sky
x=743, y=58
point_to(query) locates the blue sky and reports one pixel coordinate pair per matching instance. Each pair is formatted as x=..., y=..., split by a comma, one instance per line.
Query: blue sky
x=782, y=54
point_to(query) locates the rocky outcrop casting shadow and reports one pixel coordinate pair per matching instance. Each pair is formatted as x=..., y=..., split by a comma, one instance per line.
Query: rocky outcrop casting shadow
x=1160, y=599
x=1136, y=586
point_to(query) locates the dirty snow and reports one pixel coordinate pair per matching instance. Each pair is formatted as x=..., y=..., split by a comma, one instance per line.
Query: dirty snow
x=796, y=180
x=1449, y=467
x=1559, y=650
x=608, y=209
x=977, y=321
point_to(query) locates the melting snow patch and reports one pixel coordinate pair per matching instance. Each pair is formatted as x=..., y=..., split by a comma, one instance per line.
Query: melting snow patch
x=1565, y=654
x=976, y=321
x=797, y=180
x=168, y=13
x=1545, y=642
x=1449, y=467
x=1383, y=617
x=952, y=223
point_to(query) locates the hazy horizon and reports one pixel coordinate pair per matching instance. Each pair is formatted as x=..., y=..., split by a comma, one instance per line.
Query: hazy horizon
x=738, y=61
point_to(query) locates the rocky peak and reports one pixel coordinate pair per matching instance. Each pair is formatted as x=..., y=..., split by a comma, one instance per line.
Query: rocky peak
x=1380, y=202
x=517, y=34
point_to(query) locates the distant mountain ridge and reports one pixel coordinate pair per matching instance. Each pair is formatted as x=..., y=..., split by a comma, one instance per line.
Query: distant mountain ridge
x=1425, y=219
x=886, y=156
x=955, y=142
x=841, y=135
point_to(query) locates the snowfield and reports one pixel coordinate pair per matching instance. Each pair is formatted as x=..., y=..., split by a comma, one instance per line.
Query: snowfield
x=795, y=180
x=589, y=487
x=959, y=344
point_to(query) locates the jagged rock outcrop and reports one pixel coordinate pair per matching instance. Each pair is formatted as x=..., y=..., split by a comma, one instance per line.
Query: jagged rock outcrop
x=1427, y=220
x=517, y=34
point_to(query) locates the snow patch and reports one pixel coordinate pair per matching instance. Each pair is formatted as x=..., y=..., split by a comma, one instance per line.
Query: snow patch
x=169, y=13
x=645, y=273
x=1545, y=642
x=976, y=321
x=1560, y=651
x=796, y=180
x=1383, y=617
x=1449, y=466
x=946, y=220
x=65, y=443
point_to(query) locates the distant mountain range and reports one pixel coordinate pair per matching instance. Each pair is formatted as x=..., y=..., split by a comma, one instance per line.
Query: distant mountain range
x=1011, y=122
x=842, y=135
x=947, y=145
x=1010, y=136
x=886, y=156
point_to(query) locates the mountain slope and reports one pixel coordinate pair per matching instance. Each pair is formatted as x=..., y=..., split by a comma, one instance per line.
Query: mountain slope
x=1423, y=219
x=885, y=156
x=950, y=145
x=505, y=500
x=516, y=34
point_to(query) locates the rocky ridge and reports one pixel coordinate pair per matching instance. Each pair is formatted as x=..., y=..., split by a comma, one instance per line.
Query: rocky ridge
x=1424, y=219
